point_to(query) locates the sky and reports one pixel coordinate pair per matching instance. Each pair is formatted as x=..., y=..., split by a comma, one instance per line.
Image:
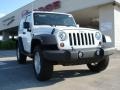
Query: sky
x=7, y=6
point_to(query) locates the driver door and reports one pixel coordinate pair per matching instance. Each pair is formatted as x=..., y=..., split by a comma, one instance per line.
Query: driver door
x=27, y=35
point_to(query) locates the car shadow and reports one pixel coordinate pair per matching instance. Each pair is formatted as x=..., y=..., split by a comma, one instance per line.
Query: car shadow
x=72, y=73
x=14, y=76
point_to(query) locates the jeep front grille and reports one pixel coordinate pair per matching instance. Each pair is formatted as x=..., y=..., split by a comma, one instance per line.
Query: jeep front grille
x=80, y=39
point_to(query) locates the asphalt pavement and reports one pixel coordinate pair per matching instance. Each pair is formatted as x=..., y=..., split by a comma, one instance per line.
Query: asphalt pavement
x=21, y=77
x=7, y=53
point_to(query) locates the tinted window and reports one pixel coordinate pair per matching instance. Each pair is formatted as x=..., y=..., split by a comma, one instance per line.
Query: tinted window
x=53, y=19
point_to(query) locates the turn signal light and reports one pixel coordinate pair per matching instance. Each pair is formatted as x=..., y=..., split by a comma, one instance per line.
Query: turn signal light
x=100, y=43
x=62, y=44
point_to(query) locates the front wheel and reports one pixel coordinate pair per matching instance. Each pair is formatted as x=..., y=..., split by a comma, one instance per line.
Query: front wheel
x=99, y=66
x=43, y=70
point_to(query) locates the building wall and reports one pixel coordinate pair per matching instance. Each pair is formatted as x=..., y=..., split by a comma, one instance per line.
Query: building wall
x=117, y=26
x=66, y=6
x=106, y=21
x=81, y=4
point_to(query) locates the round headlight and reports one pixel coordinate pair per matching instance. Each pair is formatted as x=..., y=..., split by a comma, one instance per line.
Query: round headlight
x=62, y=35
x=98, y=35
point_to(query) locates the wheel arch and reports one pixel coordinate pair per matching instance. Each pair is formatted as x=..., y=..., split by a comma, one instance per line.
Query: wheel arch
x=35, y=42
x=43, y=40
x=20, y=44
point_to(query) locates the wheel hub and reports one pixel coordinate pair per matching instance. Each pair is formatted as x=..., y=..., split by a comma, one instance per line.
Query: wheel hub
x=37, y=63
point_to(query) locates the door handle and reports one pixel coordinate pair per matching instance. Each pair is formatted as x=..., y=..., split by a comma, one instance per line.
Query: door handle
x=24, y=32
x=32, y=34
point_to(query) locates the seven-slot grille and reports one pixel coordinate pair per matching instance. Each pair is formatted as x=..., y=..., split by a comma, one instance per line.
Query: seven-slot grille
x=81, y=39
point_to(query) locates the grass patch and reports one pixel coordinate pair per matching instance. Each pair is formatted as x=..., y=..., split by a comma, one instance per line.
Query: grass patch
x=8, y=45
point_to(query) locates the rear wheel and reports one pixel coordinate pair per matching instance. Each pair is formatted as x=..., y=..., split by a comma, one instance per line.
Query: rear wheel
x=21, y=58
x=43, y=70
x=99, y=66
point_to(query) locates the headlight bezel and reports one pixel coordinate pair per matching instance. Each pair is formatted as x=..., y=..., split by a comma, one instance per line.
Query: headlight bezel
x=62, y=35
x=98, y=35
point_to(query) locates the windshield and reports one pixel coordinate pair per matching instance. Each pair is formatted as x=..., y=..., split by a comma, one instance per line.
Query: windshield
x=53, y=19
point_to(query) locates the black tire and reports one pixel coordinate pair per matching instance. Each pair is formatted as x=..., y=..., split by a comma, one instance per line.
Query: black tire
x=99, y=66
x=21, y=58
x=43, y=70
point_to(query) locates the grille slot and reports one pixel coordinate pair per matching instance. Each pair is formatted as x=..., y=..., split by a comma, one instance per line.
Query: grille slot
x=81, y=39
x=86, y=39
x=93, y=39
x=70, y=39
x=89, y=39
x=74, y=38
x=78, y=36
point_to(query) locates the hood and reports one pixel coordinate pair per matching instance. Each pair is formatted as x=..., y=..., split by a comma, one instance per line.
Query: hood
x=73, y=28
x=44, y=29
x=47, y=29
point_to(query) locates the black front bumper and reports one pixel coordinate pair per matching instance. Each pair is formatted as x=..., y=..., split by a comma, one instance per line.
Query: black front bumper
x=72, y=56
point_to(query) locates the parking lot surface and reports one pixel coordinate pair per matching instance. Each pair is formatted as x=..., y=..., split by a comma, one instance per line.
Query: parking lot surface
x=21, y=77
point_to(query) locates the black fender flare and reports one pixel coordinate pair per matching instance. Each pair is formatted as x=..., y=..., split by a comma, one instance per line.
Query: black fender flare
x=103, y=38
x=20, y=45
x=44, y=40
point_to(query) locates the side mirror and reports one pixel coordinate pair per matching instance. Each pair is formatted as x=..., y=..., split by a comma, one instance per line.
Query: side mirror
x=78, y=25
x=26, y=25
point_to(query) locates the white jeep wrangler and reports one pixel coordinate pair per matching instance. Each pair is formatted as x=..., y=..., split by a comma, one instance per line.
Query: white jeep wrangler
x=52, y=38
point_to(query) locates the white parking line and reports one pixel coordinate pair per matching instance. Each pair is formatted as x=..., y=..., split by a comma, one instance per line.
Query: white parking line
x=2, y=63
x=15, y=67
x=12, y=67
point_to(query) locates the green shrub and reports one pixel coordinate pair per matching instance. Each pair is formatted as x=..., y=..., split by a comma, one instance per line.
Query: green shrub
x=7, y=45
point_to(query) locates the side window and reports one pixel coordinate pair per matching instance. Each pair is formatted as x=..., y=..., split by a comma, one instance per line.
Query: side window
x=21, y=23
x=25, y=19
x=28, y=18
